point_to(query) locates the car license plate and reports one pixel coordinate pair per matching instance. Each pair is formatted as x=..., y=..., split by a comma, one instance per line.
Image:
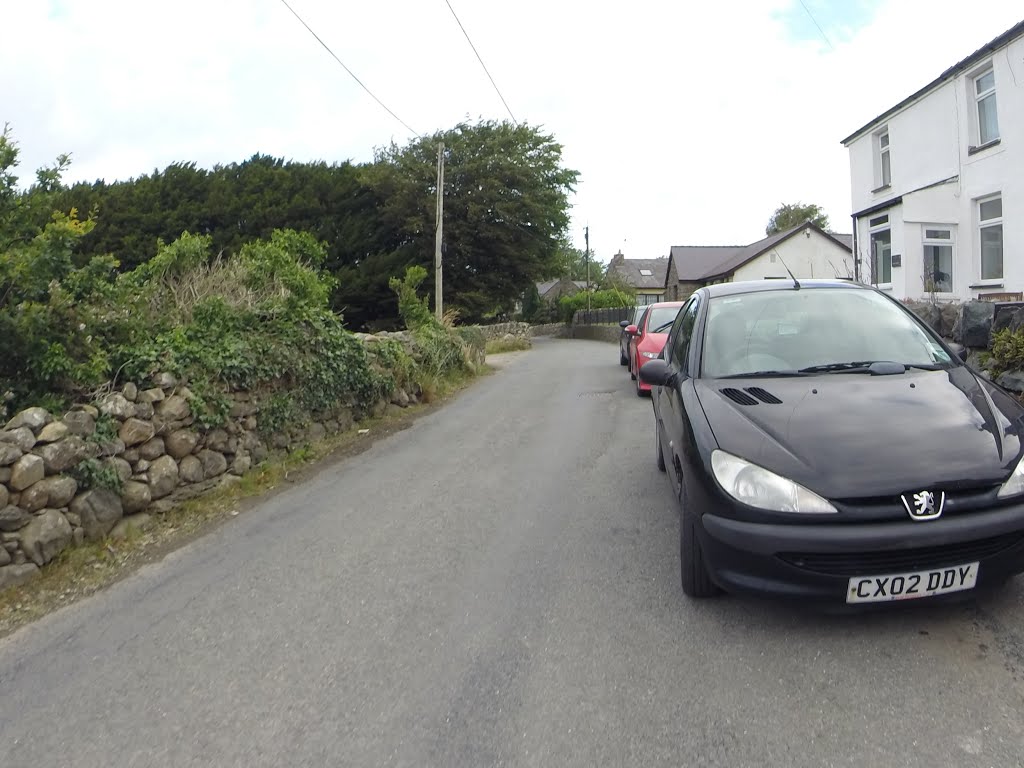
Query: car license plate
x=907, y=586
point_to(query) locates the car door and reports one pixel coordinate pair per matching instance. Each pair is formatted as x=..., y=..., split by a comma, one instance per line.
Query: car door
x=670, y=407
x=636, y=339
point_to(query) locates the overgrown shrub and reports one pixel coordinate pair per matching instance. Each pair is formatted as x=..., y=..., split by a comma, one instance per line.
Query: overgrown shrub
x=441, y=350
x=1008, y=350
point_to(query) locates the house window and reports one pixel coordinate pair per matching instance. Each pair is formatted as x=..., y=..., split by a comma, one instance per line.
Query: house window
x=938, y=260
x=881, y=250
x=646, y=272
x=883, y=167
x=985, y=97
x=990, y=224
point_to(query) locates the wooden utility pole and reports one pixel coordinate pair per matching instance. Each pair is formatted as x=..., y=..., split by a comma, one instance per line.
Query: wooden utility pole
x=438, y=300
x=586, y=255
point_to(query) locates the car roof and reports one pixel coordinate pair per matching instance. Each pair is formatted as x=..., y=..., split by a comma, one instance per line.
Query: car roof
x=667, y=304
x=757, y=286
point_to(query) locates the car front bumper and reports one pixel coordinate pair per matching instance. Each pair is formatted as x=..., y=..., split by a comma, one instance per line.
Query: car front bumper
x=815, y=562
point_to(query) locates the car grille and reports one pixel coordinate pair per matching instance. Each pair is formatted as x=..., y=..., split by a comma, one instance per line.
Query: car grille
x=897, y=560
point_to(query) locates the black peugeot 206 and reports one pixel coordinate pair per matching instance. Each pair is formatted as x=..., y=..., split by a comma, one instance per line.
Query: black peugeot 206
x=826, y=445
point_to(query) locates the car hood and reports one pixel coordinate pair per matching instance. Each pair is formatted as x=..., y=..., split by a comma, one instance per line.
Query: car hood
x=848, y=436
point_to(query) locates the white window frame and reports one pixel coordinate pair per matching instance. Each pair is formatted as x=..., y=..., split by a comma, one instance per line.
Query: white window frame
x=951, y=242
x=883, y=159
x=986, y=224
x=977, y=99
x=885, y=226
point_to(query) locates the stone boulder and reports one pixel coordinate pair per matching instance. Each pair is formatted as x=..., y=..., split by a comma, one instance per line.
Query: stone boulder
x=136, y=431
x=181, y=443
x=62, y=456
x=46, y=536
x=217, y=440
x=9, y=453
x=1012, y=380
x=22, y=437
x=130, y=392
x=117, y=406
x=27, y=470
x=13, y=518
x=191, y=470
x=16, y=575
x=152, y=449
x=1007, y=318
x=52, y=432
x=931, y=314
x=33, y=418
x=5, y=496
x=135, y=497
x=214, y=463
x=59, y=490
x=241, y=464
x=99, y=510
x=165, y=380
x=174, y=408
x=120, y=466
x=163, y=477
x=973, y=326
x=33, y=498
x=154, y=395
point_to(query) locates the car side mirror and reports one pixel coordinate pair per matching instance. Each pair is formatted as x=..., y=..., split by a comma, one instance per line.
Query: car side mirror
x=632, y=330
x=960, y=351
x=623, y=323
x=655, y=372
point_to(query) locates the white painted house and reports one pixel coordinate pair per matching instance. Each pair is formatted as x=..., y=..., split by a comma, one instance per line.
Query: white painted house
x=805, y=250
x=938, y=183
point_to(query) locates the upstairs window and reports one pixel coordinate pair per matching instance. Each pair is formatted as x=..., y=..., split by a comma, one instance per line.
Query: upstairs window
x=985, y=99
x=884, y=167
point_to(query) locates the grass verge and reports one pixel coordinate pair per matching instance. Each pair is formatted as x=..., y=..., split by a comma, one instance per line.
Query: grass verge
x=81, y=571
x=497, y=346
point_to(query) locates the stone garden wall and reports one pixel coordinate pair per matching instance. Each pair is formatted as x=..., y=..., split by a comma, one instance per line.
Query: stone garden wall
x=101, y=468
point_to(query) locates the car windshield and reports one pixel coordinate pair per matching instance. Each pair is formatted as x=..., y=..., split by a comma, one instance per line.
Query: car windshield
x=812, y=331
x=661, y=319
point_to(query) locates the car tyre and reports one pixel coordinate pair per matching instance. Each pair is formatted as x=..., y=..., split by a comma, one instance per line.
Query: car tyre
x=693, y=572
x=623, y=359
x=639, y=392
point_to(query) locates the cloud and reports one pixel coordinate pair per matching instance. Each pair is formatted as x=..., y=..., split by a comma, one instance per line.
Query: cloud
x=688, y=122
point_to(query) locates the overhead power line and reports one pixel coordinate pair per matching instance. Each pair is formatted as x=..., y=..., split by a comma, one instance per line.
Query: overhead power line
x=327, y=48
x=817, y=24
x=497, y=90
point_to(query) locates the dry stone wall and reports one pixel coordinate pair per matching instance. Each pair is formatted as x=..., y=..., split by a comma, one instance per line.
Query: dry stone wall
x=103, y=468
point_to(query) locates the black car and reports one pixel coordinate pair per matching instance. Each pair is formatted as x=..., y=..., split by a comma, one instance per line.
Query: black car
x=826, y=445
x=624, y=338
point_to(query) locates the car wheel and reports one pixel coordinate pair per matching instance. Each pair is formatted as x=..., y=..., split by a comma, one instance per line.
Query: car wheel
x=639, y=392
x=693, y=572
x=661, y=454
x=623, y=360
x=632, y=372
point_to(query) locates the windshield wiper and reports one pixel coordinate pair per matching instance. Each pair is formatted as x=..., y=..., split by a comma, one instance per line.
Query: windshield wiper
x=843, y=367
x=763, y=375
x=865, y=366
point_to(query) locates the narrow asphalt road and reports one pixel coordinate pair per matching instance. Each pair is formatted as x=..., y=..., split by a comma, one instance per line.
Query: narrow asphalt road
x=497, y=585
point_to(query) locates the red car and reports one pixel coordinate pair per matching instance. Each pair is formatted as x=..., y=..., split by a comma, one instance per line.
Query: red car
x=649, y=338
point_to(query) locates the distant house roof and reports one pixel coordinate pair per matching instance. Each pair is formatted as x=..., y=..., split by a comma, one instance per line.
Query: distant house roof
x=697, y=263
x=547, y=285
x=961, y=66
x=640, y=273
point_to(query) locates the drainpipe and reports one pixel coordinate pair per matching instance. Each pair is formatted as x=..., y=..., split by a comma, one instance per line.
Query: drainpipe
x=856, y=253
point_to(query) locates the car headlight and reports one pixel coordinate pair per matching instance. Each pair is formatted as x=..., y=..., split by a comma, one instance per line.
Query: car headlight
x=649, y=355
x=757, y=487
x=1014, y=485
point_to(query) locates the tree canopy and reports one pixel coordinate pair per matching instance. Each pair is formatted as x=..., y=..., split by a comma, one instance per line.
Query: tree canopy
x=505, y=216
x=794, y=214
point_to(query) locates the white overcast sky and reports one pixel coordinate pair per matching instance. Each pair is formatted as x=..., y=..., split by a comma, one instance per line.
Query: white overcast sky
x=689, y=122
